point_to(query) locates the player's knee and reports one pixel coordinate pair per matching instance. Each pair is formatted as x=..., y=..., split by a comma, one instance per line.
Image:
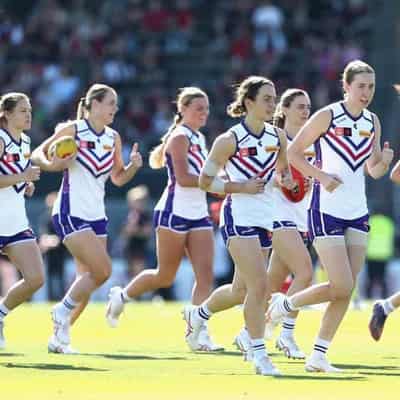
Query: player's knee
x=34, y=283
x=304, y=276
x=341, y=291
x=101, y=274
x=165, y=280
x=259, y=290
x=239, y=294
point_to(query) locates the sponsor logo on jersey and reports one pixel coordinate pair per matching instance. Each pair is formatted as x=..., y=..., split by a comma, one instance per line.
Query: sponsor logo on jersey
x=85, y=144
x=248, y=151
x=343, y=131
x=365, y=133
x=11, y=157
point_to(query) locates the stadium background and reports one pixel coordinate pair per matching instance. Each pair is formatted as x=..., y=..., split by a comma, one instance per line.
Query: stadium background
x=54, y=49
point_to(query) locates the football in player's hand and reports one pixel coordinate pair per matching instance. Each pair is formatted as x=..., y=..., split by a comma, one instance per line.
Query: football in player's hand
x=298, y=192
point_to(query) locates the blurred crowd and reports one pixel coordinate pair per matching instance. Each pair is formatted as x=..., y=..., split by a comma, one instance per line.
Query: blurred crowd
x=54, y=49
x=146, y=49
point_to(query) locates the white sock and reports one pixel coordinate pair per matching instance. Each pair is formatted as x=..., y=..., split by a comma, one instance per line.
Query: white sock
x=125, y=297
x=321, y=347
x=66, y=305
x=3, y=311
x=288, y=306
x=288, y=325
x=203, y=312
x=258, y=348
x=388, y=306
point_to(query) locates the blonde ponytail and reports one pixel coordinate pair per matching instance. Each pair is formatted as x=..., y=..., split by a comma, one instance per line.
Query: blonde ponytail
x=157, y=155
x=80, y=113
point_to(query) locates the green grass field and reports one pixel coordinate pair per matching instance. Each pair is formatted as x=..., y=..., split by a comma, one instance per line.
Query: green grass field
x=147, y=358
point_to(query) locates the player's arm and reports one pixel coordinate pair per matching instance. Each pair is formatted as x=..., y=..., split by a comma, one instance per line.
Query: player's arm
x=223, y=148
x=379, y=161
x=282, y=172
x=178, y=148
x=29, y=175
x=122, y=173
x=308, y=134
x=40, y=157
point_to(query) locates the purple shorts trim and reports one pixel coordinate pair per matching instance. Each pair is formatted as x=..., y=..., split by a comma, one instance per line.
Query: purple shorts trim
x=291, y=225
x=230, y=231
x=325, y=225
x=284, y=225
x=178, y=224
x=24, y=236
x=65, y=225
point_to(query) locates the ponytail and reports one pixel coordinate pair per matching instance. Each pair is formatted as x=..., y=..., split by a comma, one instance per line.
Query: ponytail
x=157, y=155
x=80, y=113
x=279, y=117
x=236, y=109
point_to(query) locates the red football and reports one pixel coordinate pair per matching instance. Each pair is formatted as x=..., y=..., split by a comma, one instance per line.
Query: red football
x=297, y=194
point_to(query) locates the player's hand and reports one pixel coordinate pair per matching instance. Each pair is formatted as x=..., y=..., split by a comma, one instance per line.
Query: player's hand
x=387, y=154
x=308, y=184
x=135, y=157
x=31, y=174
x=60, y=164
x=330, y=182
x=254, y=186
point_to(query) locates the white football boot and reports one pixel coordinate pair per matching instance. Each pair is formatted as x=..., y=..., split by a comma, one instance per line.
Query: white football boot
x=289, y=347
x=275, y=313
x=243, y=343
x=320, y=363
x=205, y=341
x=55, y=346
x=61, y=325
x=115, y=306
x=264, y=366
x=194, y=326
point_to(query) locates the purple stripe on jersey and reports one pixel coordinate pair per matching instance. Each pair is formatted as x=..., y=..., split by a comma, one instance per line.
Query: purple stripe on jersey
x=316, y=193
x=269, y=176
x=191, y=130
x=343, y=155
x=171, y=188
x=93, y=130
x=86, y=166
x=18, y=187
x=259, y=163
x=241, y=170
x=349, y=115
x=249, y=132
x=96, y=156
x=194, y=166
x=65, y=187
x=353, y=145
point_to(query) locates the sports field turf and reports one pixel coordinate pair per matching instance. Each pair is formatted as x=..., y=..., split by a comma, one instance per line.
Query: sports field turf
x=146, y=358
